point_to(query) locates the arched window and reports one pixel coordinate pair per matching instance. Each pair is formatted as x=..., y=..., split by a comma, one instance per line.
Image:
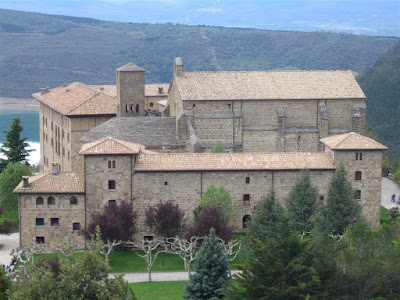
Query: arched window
x=39, y=201
x=132, y=107
x=137, y=108
x=73, y=200
x=246, y=219
x=51, y=200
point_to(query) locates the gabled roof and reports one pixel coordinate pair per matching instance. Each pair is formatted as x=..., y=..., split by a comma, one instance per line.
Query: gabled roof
x=65, y=182
x=151, y=132
x=234, y=161
x=352, y=141
x=259, y=85
x=110, y=146
x=78, y=99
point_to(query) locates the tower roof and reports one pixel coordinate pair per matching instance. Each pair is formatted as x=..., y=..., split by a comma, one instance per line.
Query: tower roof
x=110, y=145
x=352, y=141
x=130, y=67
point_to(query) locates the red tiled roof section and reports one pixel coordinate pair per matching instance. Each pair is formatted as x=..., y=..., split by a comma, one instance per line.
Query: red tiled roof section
x=110, y=146
x=352, y=141
x=65, y=182
x=233, y=161
x=258, y=85
x=78, y=99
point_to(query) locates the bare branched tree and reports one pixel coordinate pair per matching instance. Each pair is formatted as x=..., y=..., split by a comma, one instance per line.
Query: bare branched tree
x=151, y=250
x=66, y=247
x=186, y=249
x=231, y=249
x=25, y=254
x=96, y=242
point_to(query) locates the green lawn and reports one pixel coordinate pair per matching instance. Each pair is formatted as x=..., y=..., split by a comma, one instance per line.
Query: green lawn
x=384, y=215
x=162, y=290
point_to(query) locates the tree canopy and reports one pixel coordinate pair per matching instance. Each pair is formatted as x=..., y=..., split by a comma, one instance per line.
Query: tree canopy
x=15, y=147
x=220, y=198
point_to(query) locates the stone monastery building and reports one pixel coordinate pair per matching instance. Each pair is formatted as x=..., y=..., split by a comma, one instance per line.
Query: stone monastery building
x=109, y=143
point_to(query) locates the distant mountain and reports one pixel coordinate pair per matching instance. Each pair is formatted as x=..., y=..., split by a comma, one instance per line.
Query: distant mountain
x=39, y=50
x=381, y=85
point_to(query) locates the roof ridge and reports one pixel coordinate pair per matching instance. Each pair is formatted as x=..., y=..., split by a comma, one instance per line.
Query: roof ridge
x=345, y=138
x=84, y=102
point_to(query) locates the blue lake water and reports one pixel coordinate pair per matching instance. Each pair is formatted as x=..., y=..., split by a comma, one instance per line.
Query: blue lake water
x=29, y=120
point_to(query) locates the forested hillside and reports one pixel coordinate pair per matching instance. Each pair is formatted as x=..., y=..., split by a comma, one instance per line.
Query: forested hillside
x=381, y=85
x=40, y=50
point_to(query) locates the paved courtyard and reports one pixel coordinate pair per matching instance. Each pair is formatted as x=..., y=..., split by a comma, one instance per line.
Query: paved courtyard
x=9, y=242
x=388, y=189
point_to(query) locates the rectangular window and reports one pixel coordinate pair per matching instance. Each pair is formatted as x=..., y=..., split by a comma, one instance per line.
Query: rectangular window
x=359, y=156
x=358, y=194
x=39, y=221
x=166, y=183
x=55, y=222
x=247, y=179
x=246, y=197
x=40, y=240
x=76, y=226
x=111, y=184
x=358, y=175
x=113, y=164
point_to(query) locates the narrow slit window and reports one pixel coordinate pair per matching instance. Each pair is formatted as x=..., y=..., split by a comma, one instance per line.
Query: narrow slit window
x=137, y=108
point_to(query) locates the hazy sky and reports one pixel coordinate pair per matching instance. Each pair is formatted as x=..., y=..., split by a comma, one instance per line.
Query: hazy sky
x=359, y=16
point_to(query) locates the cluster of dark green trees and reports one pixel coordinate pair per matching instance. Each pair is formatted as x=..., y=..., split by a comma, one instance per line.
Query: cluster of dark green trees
x=12, y=168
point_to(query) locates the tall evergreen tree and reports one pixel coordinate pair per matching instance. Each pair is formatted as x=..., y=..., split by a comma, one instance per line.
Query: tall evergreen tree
x=279, y=267
x=15, y=147
x=302, y=203
x=211, y=271
x=341, y=209
x=266, y=214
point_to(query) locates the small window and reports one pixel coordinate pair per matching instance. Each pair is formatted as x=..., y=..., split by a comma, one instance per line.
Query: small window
x=68, y=137
x=76, y=226
x=166, y=183
x=151, y=104
x=109, y=164
x=55, y=222
x=39, y=201
x=194, y=105
x=358, y=194
x=113, y=164
x=137, y=108
x=39, y=221
x=359, y=156
x=73, y=200
x=246, y=197
x=245, y=221
x=51, y=200
x=40, y=240
x=148, y=237
x=358, y=175
x=111, y=202
x=127, y=108
x=247, y=179
x=68, y=155
x=321, y=198
x=111, y=184
x=229, y=104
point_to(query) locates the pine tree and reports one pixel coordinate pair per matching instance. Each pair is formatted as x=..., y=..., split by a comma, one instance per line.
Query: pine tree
x=266, y=214
x=302, y=203
x=211, y=271
x=218, y=147
x=279, y=267
x=341, y=208
x=15, y=147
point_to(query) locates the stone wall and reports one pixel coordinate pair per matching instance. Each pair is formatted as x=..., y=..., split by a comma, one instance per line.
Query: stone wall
x=66, y=213
x=371, y=180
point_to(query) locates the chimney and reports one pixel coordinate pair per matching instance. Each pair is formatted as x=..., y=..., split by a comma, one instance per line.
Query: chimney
x=160, y=90
x=178, y=65
x=25, y=182
x=44, y=91
x=55, y=169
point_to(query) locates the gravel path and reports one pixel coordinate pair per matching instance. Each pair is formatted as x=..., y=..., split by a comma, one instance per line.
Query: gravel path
x=9, y=242
x=388, y=188
x=159, y=276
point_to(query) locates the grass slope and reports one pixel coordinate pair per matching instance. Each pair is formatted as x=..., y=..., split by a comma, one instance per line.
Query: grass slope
x=162, y=290
x=41, y=50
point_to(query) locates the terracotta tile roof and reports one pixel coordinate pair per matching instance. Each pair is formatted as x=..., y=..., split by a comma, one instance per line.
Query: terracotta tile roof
x=78, y=99
x=129, y=67
x=110, y=146
x=233, y=161
x=65, y=182
x=254, y=85
x=153, y=89
x=149, y=89
x=352, y=141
